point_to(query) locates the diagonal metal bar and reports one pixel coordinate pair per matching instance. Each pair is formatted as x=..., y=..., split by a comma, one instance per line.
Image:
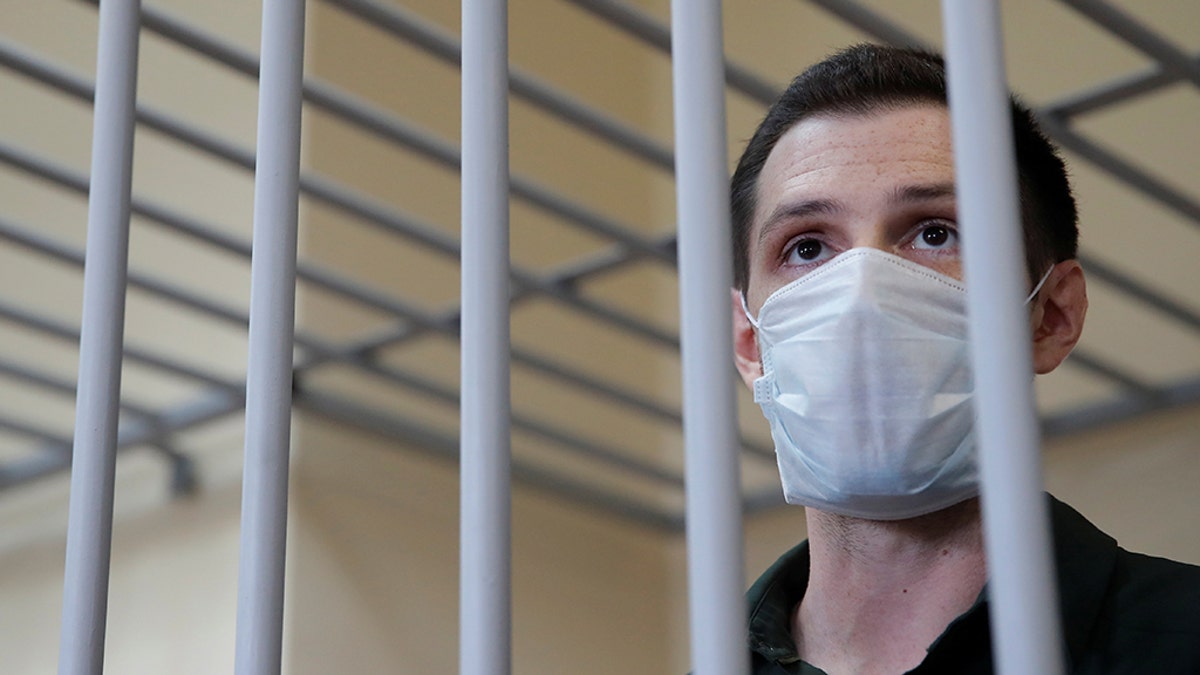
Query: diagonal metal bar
x=52, y=458
x=417, y=31
x=70, y=334
x=426, y=235
x=396, y=427
x=654, y=33
x=1139, y=291
x=60, y=385
x=318, y=187
x=1072, y=105
x=1133, y=32
x=16, y=371
x=61, y=442
x=1113, y=92
x=327, y=352
x=869, y=22
x=1174, y=60
x=447, y=323
x=394, y=130
x=621, y=459
x=1182, y=393
x=322, y=189
x=650, y=31
x=1097, y=366
x=1121, y=169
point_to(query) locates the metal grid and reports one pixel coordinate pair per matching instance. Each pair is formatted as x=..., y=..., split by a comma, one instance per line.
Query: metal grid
x=604, y=471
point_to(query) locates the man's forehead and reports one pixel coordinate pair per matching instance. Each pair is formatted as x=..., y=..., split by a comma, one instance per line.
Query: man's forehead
x=829, y=154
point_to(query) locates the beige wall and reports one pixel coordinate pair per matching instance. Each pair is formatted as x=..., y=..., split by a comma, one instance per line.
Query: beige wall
x=373, y=579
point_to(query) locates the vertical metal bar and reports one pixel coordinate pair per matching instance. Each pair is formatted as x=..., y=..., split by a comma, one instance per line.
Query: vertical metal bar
x=485, y=531
x=714, y=527
x=272, y=327
x=1022, y=594
x=89, y=522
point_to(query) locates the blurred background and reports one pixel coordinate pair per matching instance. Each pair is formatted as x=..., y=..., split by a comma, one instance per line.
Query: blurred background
x=599, y=579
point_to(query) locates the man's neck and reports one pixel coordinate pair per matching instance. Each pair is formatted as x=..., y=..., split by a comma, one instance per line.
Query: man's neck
x=880, y=592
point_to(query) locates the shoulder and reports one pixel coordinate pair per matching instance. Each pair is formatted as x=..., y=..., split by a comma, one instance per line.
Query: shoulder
x=1154, y=594
x=1124, y=612
x=1149, y=621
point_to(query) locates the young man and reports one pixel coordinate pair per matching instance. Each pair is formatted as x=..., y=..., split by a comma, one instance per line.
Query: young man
x=849, y=326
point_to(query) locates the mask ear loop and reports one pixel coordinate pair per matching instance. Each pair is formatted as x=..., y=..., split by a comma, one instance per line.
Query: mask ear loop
x=1032, y=294
x=746, y=310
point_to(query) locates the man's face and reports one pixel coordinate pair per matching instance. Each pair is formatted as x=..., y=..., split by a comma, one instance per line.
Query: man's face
x=832, y=183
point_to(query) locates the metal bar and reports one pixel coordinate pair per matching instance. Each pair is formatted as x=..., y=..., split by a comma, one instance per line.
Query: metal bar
x=870, y=23
x=354, y=355
x=1055, y=125
x=1134, y=33
x=60, y=385
x=1186, y=392
x=1121, y=169
x=24, y=373
x=272, y=323
x=52, y=458
x=441, y=445
x=1072, y=105
x=61, y=331
x=58, y=251
x=193, y=229
x=339, y=197
x=325, y=353
x=1112, y=92
x=713, y=496
x=427, y=36
x=332, y=281
x=89, y=521
x=60, y=441
x=1022, y=594
x=485, y=605
x=641, y=25
x=394, y=130
x=1098, y=366
x=1126, y=284
x=624, y=460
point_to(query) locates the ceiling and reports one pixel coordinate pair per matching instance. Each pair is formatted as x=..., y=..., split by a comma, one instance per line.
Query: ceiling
x=596, y=408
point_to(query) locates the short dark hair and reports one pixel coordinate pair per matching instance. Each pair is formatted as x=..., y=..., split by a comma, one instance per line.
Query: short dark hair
x=867, y=79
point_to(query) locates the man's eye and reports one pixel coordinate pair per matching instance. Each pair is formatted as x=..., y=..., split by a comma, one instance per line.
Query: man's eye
x=807, y=251
x=936, y=237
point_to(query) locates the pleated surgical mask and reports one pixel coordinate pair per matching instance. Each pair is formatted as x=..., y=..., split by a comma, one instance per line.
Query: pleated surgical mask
x=867, y=387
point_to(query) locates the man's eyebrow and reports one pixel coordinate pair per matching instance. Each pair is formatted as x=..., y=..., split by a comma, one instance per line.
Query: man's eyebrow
x=922, y=193
x=797, y=210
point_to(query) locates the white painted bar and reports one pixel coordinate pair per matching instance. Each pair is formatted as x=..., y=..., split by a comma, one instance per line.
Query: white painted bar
x=97, y=397
x=485, y=614
x=1022, y=591
x=272, y=327
x=717, y=608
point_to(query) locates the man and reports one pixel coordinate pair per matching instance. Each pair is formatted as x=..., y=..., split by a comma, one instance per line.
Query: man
x=849, y=326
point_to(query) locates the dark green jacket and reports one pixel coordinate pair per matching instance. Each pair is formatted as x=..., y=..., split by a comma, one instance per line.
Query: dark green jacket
x=1123, y=612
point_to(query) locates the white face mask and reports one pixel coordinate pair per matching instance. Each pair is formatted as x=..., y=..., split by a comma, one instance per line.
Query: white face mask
x=867, y=386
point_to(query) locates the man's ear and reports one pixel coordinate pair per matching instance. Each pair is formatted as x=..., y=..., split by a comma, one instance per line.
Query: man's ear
x=1057, y=317
x=745, y=344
